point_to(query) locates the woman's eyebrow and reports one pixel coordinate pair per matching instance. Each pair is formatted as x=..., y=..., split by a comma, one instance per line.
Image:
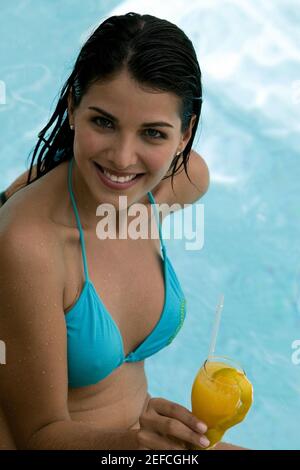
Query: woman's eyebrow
x=113, y=118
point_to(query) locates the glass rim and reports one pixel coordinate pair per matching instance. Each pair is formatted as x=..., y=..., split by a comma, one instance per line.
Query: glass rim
x=232, y=363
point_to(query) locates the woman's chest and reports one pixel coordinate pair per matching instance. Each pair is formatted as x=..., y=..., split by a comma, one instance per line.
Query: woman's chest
x=127, y=277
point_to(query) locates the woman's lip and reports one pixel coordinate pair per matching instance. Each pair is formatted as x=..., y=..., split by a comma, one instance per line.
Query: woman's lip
x=113, y=185
x=119, y=175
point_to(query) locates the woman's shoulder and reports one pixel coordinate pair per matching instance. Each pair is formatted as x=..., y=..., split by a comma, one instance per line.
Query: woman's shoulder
x=36, y=199
x=30, y=247
x=26, y=235
x=27, y=214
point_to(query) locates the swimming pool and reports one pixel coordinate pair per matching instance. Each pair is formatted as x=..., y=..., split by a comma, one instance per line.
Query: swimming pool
x=250, y=139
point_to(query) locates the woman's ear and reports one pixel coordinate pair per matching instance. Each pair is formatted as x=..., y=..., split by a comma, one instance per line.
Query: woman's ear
x=188, y=133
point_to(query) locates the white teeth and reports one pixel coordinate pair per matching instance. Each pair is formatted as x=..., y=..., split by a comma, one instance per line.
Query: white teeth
x=118, y=179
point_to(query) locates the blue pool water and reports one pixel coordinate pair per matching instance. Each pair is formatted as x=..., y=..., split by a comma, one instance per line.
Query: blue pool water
x=249, y=54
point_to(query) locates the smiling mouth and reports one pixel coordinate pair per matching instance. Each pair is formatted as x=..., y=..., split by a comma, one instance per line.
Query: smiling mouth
x=102, y=169
x=113, y=182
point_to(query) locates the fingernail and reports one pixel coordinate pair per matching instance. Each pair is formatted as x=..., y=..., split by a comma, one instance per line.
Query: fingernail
x=202, y=427
x=204, y=441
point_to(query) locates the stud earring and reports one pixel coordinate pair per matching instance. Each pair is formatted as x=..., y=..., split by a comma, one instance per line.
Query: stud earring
x=71, y=127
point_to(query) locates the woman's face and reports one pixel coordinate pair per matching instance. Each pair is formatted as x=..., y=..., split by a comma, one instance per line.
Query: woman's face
x=125, y=142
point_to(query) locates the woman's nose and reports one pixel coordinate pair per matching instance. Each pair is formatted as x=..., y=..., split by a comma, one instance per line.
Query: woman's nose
x=124, y=156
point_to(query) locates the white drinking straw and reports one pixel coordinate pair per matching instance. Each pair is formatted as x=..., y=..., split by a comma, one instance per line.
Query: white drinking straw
x=216, y=326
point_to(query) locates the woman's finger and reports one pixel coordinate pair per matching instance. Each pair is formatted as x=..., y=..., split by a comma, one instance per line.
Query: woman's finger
x=149, y=440
x=170, y=427
x=180, y=413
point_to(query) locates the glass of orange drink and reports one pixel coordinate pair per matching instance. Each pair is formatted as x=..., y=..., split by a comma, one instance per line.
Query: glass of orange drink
x=221, y=396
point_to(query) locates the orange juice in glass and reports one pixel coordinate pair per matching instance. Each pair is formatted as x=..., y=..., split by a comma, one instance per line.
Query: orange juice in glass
x=221, y=396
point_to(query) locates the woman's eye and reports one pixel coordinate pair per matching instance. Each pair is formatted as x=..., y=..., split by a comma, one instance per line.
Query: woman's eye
x=158, y=135
x=102, y=121
x=105, y=123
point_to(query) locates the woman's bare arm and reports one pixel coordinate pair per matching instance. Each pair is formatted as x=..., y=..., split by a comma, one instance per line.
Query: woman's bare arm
x=34, y=379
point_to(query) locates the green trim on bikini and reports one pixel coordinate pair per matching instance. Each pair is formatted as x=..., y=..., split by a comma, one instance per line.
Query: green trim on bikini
x=182, y=310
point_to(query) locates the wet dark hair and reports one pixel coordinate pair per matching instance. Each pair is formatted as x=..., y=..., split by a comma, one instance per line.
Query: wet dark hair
x=156, y=53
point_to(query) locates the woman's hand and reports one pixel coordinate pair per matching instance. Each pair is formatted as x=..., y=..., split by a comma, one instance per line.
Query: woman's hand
x=165, y=425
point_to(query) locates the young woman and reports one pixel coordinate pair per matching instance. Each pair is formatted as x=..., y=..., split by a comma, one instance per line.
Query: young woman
x=80, y=314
